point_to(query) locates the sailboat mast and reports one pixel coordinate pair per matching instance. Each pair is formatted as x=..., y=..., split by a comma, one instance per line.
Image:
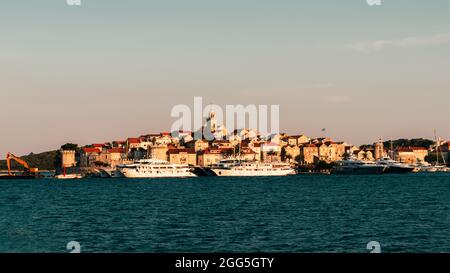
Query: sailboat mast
x=442, y=154
x=437, y=148
x=392, y=150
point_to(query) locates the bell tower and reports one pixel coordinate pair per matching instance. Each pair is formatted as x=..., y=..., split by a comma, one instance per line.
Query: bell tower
x=212, y=121
x=379, y=149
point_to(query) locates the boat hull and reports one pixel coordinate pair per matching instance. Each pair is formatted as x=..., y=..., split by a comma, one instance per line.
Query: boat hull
x=399, y=169
x=360, y=170
x=17, y=177
x=231, y=172
x=68, y=176
x=129, y=173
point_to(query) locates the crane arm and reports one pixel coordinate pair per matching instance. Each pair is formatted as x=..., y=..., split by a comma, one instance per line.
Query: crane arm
x=10, y=157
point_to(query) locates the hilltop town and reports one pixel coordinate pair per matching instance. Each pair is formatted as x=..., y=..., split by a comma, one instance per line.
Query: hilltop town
x=181, y=148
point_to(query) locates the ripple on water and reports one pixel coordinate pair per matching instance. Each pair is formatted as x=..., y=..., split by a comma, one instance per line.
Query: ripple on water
x=408, y=213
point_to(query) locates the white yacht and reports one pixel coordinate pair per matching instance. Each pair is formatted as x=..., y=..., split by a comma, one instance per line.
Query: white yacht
x=353, y=165
x=393, y=166
x=441, y=168
x=236, y=167
x=425, y=167
x=154, y=168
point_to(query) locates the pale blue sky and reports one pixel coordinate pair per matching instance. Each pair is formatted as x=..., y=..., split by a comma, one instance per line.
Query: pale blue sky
x=111, y=69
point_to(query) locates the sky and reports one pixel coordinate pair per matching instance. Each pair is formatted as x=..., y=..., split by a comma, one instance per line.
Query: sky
x=107, y=70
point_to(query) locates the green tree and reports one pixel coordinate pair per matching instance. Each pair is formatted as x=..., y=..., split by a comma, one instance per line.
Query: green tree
x=70, y=147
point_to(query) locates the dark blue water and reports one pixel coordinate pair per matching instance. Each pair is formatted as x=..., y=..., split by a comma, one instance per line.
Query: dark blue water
x=405, y=213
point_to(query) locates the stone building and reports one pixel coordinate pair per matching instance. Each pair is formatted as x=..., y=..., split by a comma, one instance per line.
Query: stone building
x=115, y=156
x=209, y=157
x=68, y=158
x=411, y=155
x=309, y=153
x=182, y=156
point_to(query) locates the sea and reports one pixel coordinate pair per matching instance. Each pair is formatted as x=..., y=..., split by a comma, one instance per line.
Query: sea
x=405, y=213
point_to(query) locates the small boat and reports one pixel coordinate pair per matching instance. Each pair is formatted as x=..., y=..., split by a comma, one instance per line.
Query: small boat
x=441, y=168
x=425, y=167
x=65, y=175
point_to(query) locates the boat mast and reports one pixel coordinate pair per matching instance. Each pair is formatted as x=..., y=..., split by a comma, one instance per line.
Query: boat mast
x=442, y=154
x=392, y=150
x=382, y=147
x=437, y=148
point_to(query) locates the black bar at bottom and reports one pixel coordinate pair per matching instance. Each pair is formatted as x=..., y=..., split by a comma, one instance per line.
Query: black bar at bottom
x=223, y=262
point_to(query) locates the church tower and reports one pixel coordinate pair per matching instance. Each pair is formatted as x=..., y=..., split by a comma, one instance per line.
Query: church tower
x=212, y=121
x=379, y=150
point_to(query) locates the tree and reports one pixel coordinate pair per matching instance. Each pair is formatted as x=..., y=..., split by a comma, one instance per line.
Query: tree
x=403, y=142
x=70, y=147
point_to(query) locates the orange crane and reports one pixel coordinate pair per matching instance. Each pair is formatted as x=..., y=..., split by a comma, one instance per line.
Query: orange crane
x=28, y=170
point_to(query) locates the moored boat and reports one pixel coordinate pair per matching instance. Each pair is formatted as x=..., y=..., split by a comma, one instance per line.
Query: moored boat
x=236, y=167
x=393, y=166
x=154, y=168
x=356, y=166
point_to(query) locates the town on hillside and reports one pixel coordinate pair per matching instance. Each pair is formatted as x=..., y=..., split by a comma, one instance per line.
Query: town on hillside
x=300, y=150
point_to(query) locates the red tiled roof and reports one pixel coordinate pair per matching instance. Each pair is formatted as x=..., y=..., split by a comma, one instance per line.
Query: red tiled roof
x=133, y=140
x=98, y=145
x=185, y=150
x=310, y=146
x=116, y=151
x=91, y=150
x=247, y=151
x=212, y=151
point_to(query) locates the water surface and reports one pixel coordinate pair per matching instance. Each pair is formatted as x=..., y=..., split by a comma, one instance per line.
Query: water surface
x=405, y=213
